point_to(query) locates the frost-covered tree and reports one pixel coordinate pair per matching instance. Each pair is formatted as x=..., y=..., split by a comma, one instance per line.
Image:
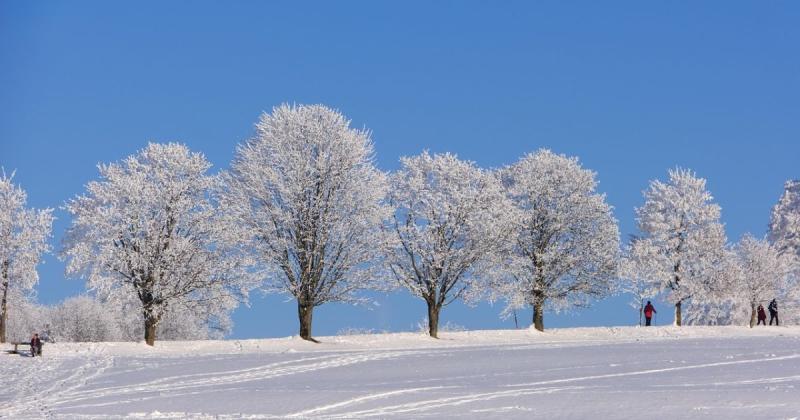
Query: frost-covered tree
x=450, y=220
x=715, y=309
x=148, y=229
x=763, y=273
x=717, y=302
x=24, y=235
x=308, y=201
x=26, y=318
x=680, y=221
x=565, y=243
x=784, y=226
x=638, y=273
x=83, y=319
x=188, y=324
x=195, y=322
x=784, y=233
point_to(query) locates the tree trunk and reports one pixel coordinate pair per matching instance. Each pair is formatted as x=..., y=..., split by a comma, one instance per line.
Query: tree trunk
x=4, y=304
x=433, y=319
x=305, y=313
x=678, y=314
x=538, y=311
x=149, y=306
x=150, y=324
x=753, y=315
x=538, y=316
x=641, y=311
x=3, y=316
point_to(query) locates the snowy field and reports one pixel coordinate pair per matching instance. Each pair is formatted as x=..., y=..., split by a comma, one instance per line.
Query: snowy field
x=663, y=372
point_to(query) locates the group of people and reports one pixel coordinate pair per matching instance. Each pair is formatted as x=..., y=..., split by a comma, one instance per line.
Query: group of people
x=650, y=310
x=773, y=313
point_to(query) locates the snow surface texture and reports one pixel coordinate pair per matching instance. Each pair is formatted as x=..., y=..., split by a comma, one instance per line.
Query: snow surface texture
x=661, y=372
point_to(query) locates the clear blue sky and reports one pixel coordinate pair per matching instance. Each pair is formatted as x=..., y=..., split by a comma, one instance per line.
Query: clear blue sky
x=632, y=89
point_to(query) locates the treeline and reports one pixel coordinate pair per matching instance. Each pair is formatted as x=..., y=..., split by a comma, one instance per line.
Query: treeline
x=168, y=249
x=87, y=319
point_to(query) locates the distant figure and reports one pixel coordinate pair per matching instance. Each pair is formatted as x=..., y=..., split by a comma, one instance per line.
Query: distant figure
x=773, y=312
x=649, y=310
x=762, y=316
x=36, y=346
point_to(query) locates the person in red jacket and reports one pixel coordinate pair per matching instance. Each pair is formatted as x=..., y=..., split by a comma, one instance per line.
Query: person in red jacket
x=762, y=316
x=649, y=310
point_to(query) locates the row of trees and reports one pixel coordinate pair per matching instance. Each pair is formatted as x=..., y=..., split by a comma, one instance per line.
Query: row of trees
x=304, y=211
x=682, y=250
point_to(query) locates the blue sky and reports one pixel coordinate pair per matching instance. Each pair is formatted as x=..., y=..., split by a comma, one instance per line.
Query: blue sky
x=632, y=88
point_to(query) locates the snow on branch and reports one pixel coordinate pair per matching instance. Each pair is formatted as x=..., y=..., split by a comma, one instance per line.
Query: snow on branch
x=450, y=221
x=565, y=243
x=307, y=200
x=24, y=237
x=148, y=228
x=680, y=227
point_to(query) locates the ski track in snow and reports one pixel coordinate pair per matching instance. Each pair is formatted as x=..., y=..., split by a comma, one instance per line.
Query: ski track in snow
x=365, y=398
x=40, y=387
x=66, y=391
x=451, y=401
x=470, y=398
x=204, y=380
x=653, y=371
x=686, y=378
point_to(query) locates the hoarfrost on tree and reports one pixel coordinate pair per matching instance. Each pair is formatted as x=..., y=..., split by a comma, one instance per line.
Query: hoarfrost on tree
x=181, y=322
x=763, y=273
x=638, y=273
x=24, y=237
x=681, y=223
x=307, y=199
x=784, y=226
x=148, y=228
x=450, y=221
x=83, y=319
x=565, y=244
x=718, y=304
x=27, y=317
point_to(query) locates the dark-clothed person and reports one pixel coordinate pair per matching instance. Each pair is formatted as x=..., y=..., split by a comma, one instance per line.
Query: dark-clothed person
x=36, y=346
x=773, y=312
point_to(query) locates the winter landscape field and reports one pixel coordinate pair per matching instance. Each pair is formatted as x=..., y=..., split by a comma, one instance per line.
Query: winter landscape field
x=661, y=372
x=179, y=180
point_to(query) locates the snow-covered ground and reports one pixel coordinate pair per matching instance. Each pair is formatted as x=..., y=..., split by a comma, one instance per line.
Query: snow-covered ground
x=661, y=372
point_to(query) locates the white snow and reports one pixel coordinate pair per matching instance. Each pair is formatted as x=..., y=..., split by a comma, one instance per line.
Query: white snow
x=625, y=372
